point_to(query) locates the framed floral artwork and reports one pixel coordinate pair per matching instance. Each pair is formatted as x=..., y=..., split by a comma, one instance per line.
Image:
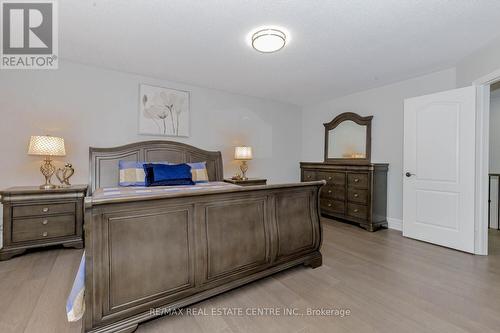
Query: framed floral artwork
x=163, y=111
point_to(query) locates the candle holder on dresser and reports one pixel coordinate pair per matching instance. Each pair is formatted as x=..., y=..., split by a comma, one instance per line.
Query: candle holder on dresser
x=64, y=174
x=356, y=189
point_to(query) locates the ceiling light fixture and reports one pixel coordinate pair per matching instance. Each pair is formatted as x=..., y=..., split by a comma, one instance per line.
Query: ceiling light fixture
x=268, y=40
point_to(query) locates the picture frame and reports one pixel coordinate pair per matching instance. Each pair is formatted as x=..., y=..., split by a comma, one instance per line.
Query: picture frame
x=163, y=111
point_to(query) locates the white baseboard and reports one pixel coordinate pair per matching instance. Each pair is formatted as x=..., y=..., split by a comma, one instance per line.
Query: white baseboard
x=395, y=224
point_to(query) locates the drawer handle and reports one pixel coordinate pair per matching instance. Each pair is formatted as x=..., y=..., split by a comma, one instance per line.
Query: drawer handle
x=45, y=209
x=309, y=177
x=356, y=210
x=330, y=178
x=45, y=234
x=356, y=180
x=329, y=204
x=45, y=222
x=356, y=195
x=329, y=191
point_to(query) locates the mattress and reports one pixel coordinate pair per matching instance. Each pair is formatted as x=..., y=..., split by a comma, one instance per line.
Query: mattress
x=135, y=191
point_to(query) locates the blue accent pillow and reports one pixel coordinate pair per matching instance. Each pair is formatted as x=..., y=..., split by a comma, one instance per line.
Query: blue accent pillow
x=198, y=171
x=167, y=175
x=132, y=172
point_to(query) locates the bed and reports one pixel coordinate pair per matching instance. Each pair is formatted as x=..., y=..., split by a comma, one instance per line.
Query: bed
x=147, y=253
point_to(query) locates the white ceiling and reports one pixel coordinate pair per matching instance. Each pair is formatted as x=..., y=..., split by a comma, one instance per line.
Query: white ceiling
x=337, y=46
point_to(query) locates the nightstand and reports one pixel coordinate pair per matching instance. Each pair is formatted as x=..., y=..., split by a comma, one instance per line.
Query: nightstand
x=247, y=182
x=35, y=218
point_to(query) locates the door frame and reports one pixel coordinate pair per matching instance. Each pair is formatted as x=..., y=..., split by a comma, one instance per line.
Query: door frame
x=482, y=160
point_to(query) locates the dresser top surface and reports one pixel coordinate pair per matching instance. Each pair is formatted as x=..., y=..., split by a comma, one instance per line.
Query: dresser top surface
x=326, y=164
x=25, y=190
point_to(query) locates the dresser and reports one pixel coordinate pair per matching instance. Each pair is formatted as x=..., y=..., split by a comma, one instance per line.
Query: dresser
x=33, y=218
x=355, y=193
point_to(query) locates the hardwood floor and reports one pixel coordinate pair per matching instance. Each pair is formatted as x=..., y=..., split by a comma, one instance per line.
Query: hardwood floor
x=389, y=283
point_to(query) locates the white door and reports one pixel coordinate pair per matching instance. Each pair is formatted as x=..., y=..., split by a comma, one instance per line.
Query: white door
x=438, y=186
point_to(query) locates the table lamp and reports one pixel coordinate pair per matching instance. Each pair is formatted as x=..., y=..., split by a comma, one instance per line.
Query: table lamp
x=47, y=146
x=243, y=154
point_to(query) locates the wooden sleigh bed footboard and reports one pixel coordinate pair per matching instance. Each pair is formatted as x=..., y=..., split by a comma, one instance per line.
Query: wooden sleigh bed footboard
x=149, y=255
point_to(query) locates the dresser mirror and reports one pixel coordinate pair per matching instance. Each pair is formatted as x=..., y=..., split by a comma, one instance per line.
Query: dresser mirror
x=348, y=139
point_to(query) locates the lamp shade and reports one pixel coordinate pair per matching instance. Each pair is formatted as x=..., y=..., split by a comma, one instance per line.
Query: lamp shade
x=46, y=146
x=243, y=153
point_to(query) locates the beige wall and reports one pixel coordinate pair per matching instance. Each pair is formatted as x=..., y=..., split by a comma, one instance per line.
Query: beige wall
x=386, y=105
x=94, y=107
x=89, y=106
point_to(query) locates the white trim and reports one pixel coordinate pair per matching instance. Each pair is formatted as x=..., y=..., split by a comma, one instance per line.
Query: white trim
x=482, y=157
x=488, y=79
x=396, y=224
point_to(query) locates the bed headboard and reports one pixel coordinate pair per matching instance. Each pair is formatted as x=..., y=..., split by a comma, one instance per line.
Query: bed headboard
x=104, y=161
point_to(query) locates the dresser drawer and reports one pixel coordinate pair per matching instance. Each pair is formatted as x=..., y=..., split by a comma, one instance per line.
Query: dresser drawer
x=337, y=178
x=357, y=195
x=40, y=228
x=353, y=192
x=357, y=211
x=308, y=176
x=333, y=192
x=48, y=209
x=359, y=180
x=334, y=206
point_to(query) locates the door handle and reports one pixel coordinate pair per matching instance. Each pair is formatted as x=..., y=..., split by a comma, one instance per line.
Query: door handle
x=408, y=174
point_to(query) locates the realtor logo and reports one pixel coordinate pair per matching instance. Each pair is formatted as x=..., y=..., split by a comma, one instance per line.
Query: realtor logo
x=29, y=34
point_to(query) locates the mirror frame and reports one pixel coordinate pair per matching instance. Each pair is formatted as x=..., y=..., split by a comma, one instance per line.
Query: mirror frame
x=363, y=121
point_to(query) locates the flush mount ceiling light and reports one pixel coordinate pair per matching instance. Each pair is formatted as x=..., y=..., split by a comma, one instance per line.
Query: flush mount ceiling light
x=268, y=40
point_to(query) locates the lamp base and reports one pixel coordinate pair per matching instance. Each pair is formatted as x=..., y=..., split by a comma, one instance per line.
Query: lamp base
x=47, y=170
x=244, y=169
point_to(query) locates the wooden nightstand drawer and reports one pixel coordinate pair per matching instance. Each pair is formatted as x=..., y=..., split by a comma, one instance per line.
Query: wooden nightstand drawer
x=359, y=180
x=333, y=192
x=334, y=206
x=337, y=178
x=358, y=211
x=34, y=217
x=357, y=195
x=42, y=228
x=48, y=209
x=309, y=176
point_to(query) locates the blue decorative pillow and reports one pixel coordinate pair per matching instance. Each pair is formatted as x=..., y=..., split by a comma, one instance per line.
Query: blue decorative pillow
x=166, y=175
x=132, y=172
x=198, y=171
